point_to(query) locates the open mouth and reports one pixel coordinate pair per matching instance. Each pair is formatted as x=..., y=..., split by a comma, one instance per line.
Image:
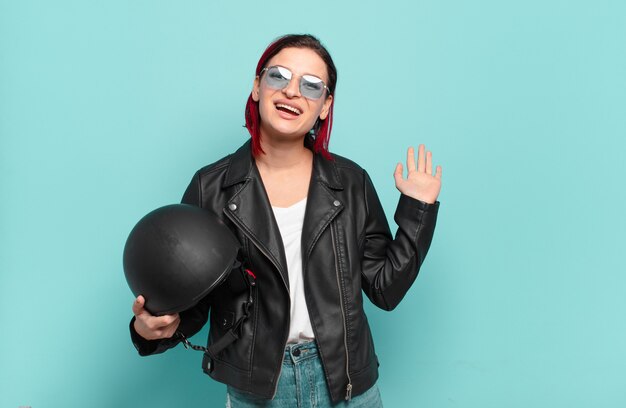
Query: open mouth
x=288, y=109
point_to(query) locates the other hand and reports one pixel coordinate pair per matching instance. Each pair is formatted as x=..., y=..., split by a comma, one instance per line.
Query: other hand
x=420, y=182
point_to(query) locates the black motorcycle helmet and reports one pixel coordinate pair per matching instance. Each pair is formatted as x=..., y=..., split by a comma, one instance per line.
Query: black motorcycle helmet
x=176, y=255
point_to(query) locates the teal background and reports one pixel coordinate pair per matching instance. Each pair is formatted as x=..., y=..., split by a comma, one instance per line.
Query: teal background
x=108, y=107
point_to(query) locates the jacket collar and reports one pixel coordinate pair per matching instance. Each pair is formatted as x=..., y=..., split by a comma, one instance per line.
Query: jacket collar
x=242, y=163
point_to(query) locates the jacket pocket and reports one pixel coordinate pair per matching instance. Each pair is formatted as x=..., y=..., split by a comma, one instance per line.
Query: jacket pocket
x=226, y=315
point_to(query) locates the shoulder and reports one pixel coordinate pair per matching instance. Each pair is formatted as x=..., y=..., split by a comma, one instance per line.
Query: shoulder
x=342, y=173
x=343, y=164
x=209, y=185
x=348, y=171
x=214, y=168
x=231, y=168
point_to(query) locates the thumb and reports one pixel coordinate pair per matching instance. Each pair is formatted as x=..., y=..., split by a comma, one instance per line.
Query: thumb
x=138, y=305
x=397, y=174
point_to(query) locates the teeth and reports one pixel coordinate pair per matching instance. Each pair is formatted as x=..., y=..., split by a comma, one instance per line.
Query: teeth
x=291, y=108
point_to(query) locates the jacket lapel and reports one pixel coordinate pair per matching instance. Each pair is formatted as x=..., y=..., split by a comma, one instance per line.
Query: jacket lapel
x=250, y=210
x=322, y=204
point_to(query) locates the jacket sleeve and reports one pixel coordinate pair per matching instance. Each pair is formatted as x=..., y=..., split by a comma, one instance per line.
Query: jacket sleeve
x=390, y=266
x=191, y=320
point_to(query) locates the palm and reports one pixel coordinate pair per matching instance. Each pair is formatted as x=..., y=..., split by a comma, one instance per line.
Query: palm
x=420, y=182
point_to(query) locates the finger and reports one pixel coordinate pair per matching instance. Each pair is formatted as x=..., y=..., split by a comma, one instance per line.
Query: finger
x=161, y=322
x=166, y=330
x=174, y=324
x=421, y=163
x=397, y=174
x=155, y=323
x=410, y=159
x=438, y=172
x=171, y=329
x=138, y=305
x=167, y=320
x=429, y=163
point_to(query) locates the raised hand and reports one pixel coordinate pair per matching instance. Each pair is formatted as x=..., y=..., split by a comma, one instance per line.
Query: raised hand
x=420, y=182
x=153, y=327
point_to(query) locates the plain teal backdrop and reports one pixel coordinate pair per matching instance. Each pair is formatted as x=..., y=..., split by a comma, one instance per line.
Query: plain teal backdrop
x=108, y=107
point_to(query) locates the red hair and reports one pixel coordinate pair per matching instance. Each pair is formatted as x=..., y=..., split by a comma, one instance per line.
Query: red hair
x=322, y=128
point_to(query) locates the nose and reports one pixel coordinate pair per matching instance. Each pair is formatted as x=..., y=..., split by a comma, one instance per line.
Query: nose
x=292, y=89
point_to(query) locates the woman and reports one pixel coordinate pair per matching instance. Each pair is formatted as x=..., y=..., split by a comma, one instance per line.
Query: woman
x=315, y=236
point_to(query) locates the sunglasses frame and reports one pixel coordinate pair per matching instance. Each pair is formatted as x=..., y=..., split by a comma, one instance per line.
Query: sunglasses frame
x=299, y=83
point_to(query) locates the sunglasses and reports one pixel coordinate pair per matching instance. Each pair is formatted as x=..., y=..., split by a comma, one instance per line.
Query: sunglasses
x=278, y=77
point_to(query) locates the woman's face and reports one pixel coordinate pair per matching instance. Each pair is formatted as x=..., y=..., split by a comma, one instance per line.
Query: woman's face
x=286, y=113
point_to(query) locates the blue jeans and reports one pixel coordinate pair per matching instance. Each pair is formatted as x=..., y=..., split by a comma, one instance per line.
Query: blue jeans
x=302, y=385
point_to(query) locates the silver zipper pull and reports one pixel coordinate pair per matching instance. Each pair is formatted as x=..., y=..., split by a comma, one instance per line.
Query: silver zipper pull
x=349, y=392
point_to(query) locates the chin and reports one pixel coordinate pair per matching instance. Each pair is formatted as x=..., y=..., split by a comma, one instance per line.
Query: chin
x=280, y=136
x=285, y=132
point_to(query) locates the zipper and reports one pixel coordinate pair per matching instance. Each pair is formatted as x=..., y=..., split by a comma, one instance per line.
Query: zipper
x=257, y=245
x=271, y=259
x=348, y=396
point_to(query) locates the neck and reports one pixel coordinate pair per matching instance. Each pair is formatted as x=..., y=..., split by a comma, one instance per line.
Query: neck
x=283, y=154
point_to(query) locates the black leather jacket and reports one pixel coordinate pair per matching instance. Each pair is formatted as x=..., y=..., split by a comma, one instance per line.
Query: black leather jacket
x=347, y=249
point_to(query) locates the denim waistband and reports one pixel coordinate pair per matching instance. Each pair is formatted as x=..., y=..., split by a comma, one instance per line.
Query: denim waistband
x=297, y=352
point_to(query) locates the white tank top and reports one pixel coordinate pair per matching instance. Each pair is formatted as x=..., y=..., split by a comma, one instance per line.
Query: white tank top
x=290, y=221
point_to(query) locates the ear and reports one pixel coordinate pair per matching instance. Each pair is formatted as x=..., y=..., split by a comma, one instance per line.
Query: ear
x=255, y=89
x=326, y=107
